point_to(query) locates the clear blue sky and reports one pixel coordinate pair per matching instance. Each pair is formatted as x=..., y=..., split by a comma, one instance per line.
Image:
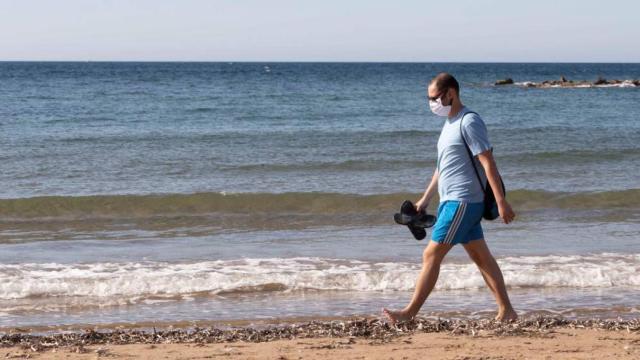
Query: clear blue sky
x=322, y=30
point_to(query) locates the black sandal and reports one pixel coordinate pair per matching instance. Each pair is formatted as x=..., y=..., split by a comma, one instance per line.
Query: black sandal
x=414, y=220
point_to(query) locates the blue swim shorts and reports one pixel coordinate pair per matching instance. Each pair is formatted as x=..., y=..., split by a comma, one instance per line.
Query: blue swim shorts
x=458, y=222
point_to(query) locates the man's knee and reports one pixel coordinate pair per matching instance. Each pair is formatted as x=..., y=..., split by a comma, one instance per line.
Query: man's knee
x=434, y=253
x=478, y=252
x=475, y=256
x=427, y=256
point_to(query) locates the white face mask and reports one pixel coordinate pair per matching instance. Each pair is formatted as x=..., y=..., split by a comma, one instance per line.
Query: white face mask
x=439, y=109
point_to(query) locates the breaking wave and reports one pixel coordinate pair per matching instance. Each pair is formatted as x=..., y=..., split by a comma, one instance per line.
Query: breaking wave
x=146, y=206
x=158, y=279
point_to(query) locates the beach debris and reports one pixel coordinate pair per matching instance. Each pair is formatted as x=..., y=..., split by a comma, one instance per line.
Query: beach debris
x=372, y=329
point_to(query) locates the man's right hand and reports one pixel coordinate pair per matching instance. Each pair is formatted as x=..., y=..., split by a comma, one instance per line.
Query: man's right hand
x=421, y=204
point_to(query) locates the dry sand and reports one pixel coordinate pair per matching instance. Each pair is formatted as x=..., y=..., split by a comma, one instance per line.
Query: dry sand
x=556, y=344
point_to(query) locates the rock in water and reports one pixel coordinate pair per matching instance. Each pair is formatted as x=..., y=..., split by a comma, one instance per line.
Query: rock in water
x=565, y=83
x=600, y=81
x=507, y=81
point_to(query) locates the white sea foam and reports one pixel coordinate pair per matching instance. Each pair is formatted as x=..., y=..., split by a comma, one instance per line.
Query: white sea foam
x=622, y=84
x=134, y=281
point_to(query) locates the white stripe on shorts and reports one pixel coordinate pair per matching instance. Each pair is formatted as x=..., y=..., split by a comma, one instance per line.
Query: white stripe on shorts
x=455, y=224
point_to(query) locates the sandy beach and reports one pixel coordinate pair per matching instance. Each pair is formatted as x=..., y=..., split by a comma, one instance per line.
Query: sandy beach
x=561, y=344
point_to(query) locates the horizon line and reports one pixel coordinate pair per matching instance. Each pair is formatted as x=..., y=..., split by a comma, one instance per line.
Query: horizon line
x=318, y=61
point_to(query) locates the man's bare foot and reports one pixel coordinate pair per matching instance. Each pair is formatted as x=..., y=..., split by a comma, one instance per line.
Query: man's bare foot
x=507, y=316
x=396, y=316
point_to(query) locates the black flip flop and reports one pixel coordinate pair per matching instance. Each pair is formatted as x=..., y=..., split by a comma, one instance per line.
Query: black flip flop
x=414, y=220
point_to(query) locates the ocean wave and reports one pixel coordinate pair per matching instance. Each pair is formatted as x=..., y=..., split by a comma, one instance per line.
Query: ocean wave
x=300, y=203
x=202, y=109
x=275, y=134
x=135, y=281
x=584, y=156
x=348, y=165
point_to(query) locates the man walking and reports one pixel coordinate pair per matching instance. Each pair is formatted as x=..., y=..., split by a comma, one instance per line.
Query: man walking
x=461, y=199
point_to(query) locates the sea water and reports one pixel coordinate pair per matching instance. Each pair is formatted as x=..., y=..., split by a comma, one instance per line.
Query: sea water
x=138, y=192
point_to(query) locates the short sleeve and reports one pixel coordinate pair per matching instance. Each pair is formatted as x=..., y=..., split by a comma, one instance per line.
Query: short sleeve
x=475, y=133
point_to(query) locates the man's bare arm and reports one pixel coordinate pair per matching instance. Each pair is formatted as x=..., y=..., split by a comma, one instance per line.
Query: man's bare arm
x=491, y=169
x=429, y=192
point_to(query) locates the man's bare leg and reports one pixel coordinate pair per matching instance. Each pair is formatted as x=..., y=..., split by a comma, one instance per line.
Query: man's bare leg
x=480, y=254
x=431, y=259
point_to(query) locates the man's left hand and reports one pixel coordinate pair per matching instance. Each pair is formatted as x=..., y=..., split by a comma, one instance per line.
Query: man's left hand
x=506, y=212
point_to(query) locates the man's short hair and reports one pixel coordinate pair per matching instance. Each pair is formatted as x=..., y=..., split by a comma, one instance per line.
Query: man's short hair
x=444, y=81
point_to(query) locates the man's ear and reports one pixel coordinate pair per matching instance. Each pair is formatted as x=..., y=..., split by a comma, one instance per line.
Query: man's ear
x=450, y=96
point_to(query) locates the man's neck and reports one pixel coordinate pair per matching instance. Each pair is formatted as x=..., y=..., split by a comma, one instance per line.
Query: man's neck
x=456, y=106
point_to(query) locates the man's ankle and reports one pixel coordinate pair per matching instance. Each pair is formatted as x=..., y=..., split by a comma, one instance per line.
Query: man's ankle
x=409, y=312
x=505, y=309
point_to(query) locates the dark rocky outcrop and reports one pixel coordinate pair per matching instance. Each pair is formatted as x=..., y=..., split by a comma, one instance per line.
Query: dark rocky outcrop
x=565, y=83
x=600, y=81
x=507, y=81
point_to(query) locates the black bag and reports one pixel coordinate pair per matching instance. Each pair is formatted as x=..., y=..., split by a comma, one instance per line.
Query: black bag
x=490, y=204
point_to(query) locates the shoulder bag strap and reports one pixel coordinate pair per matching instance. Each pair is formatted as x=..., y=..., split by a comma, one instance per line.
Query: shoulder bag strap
x=473, y=163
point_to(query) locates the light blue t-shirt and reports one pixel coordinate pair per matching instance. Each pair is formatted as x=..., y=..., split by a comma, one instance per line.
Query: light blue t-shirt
x=458, y=180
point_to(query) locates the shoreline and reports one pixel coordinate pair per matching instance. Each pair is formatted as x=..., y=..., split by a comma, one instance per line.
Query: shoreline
x=44, y=330
x=561, y=344
x=373, y=329
x=620, y=314
x=364, y=338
